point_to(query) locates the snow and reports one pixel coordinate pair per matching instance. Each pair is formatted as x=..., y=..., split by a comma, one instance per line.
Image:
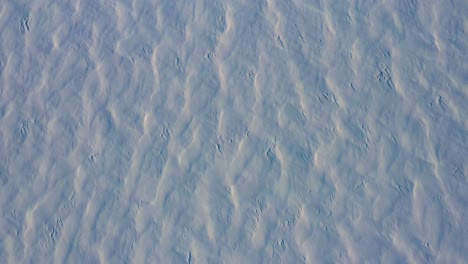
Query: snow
x=244, y=131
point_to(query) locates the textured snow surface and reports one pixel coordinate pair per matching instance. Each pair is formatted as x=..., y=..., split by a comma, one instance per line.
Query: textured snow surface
x=243, y=131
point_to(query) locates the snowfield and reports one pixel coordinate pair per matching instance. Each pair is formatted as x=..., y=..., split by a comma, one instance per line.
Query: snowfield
x=233, y=131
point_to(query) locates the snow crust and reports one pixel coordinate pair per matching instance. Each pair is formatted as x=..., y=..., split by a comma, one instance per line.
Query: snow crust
x=243, y=131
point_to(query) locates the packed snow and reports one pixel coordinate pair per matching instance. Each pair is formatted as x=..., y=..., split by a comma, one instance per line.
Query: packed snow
x=241, y=131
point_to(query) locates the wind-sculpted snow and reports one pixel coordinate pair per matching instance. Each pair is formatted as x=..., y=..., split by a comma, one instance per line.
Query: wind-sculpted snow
x=247, y=131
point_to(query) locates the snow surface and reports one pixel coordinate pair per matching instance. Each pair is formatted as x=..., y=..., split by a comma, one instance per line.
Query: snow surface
x=242, y=131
